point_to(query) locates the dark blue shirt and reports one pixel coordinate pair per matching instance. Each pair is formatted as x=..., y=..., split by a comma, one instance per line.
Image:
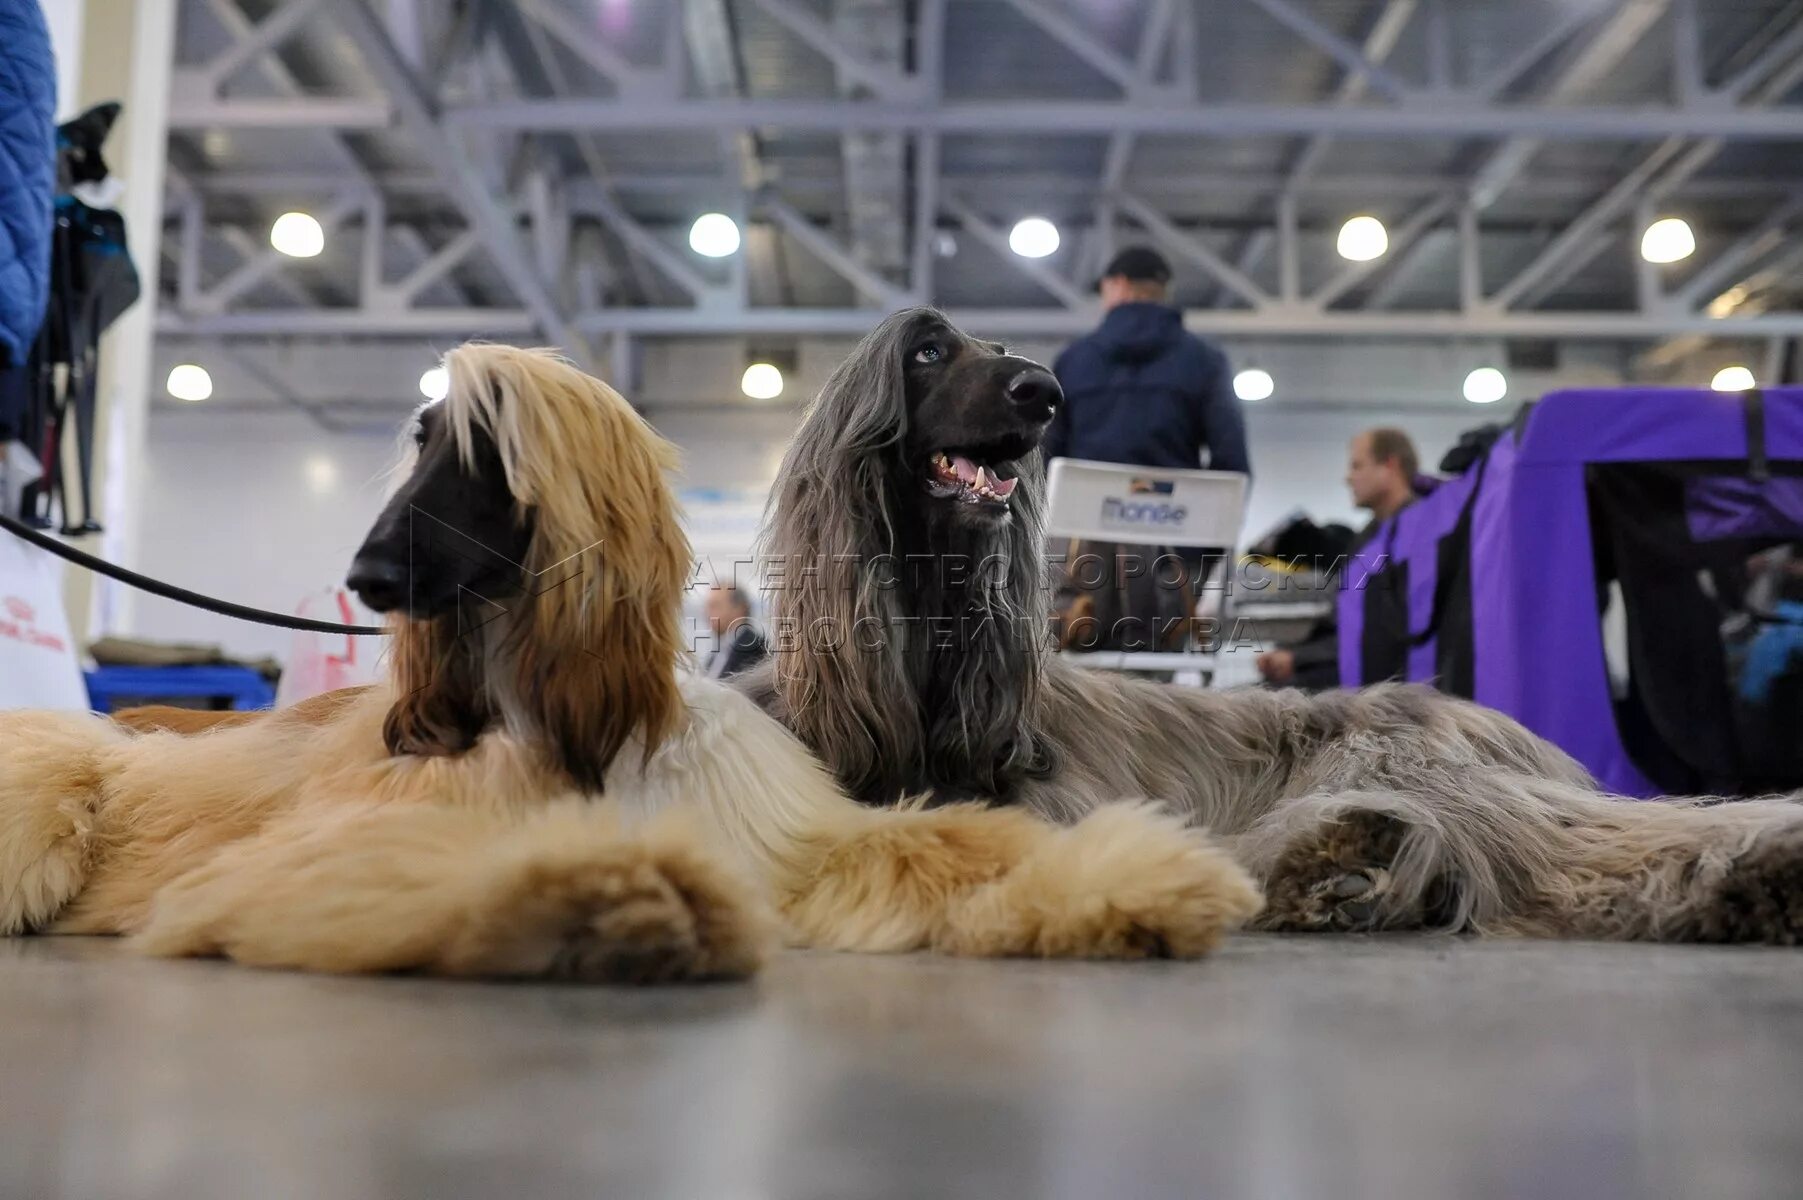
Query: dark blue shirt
x=1144, y=391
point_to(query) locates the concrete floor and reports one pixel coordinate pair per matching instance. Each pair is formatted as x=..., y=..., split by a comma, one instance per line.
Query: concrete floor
x=1309, y=1068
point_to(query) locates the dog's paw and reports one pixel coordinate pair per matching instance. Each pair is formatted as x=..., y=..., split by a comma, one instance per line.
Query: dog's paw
x=1759, y=897
x=1337, y=880
x=1125, y=882
x=638, y=910
x=50, y=780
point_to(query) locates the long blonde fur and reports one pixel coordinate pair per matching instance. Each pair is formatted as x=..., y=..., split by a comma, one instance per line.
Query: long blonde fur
x=306, y=840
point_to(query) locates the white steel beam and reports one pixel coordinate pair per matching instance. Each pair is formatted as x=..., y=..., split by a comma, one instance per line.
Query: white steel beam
x=249, y=274
x=1669, y=165
x=874, y=287
x=1553, y=122
x=926, y=216
x=442, y=261
x=1334, y=46
x=1050, y=321
x=1084, y=44
x=1617, y=35
x=980, y=228
x=1188, y=248
x=1761, y=240
x=268, y=33
x=1153, y=39
x=1563, y=28
x=1782, y=50
x=817, y=34
x=496, y=226
x=601, y=58
x=1402, y=238
x=1559, y=252
x=1386, y=31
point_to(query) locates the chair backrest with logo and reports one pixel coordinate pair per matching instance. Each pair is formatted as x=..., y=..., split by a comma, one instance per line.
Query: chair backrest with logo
x=1145, y=506
x=1137, y=536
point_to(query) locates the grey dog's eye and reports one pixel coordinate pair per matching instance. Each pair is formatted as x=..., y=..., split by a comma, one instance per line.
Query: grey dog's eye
x=927, y=354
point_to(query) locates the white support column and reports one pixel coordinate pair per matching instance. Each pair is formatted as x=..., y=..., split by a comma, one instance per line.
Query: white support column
x=370, y=271
x=1289, y=261
x=1471, y=267
x=194, y=233
x=1649, y=293
x=129, y=50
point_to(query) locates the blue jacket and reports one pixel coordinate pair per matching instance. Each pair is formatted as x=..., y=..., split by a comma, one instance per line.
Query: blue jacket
x=27, y=174
x=1142, y=390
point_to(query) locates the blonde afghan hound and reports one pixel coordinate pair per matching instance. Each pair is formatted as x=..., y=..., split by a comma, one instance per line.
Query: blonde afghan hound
x=539, y=790
x=907, y=552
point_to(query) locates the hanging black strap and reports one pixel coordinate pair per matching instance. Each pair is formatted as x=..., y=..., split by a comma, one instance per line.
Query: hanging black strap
x=1752, y=406
x=181, y=595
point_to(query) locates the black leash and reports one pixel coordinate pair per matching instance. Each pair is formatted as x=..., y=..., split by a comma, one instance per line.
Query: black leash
x=182, y=595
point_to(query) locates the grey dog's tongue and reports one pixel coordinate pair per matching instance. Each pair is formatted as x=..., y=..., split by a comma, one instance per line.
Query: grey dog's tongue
x=964, y=468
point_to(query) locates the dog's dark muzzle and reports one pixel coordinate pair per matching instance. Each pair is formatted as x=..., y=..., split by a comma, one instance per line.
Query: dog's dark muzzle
x=1034, y=393
x=380, y=579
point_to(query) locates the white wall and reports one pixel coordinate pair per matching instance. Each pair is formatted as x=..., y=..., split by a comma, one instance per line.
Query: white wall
x=1299, y=458
x=265, y=508
x=261, y=509
x=64, y=18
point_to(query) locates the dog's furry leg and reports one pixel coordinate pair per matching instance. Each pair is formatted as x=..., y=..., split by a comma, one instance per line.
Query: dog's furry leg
x=1496, y=852
x=50, y=780
x=562, y=894
x=1126, y=882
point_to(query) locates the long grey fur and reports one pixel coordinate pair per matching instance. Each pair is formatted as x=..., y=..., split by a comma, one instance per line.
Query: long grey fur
x=1488, y=828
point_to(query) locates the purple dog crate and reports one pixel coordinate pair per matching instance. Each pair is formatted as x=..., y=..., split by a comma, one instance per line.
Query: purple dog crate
x=1495, y=586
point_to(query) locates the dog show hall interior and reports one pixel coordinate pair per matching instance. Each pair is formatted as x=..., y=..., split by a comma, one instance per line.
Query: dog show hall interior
x=901, y=598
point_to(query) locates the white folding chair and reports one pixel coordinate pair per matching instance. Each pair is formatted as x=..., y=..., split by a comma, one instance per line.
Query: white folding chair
x=1147, y=506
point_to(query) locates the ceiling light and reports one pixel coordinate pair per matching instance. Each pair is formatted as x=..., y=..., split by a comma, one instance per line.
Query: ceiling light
x=945, y=245
x=189, y=382
x=297, y=235
x=1363, y=239
x=322, y=474
x=435, y=384
x=1253, y=384
x=1033, y=237
x=762, y=381
x=714, y=235
x=1667, y=240
x=1486, y=385
x=1732, y=379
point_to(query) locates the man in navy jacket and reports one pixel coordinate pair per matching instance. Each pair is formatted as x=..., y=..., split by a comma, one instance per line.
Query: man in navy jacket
x=1140, y=389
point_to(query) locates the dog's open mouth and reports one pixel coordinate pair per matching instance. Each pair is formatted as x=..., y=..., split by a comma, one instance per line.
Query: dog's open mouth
x=969, y=480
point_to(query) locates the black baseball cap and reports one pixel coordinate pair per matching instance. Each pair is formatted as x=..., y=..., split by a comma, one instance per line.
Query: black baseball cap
x=1138, y=263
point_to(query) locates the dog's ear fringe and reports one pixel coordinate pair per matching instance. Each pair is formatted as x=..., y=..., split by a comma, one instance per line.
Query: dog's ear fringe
x=441, y=706
x=593, y=657
x=842, y=502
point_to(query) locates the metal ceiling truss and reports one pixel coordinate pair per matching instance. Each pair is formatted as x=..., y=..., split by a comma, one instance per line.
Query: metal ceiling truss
x=892, y=115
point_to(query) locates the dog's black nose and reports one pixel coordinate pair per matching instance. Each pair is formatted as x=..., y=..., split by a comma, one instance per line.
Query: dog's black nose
x=379, y=582
x=1035, y=390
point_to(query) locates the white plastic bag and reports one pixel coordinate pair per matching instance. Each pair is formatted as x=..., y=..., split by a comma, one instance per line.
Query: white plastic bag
x=38, y=664
x=325, y=662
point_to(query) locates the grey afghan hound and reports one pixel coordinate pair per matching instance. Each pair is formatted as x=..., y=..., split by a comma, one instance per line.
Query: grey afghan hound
x=908, y=566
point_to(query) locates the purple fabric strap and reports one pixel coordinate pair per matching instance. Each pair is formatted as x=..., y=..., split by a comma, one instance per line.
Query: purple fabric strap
x=1538, y=640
